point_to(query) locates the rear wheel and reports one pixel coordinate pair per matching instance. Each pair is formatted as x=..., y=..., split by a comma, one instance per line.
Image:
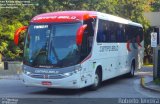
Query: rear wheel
x=131, y=73
x=97, y=80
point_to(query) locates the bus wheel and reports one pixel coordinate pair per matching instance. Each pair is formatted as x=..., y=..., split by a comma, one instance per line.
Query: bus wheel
x=131, y=73
x=97, y=81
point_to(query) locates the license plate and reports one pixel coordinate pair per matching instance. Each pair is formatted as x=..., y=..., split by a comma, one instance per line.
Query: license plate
x=46, y=83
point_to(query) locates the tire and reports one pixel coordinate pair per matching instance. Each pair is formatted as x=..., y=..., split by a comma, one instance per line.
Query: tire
x=97, y=81
x=131, y=73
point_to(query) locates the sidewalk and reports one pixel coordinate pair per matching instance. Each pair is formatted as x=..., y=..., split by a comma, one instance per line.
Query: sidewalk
x=148, y=83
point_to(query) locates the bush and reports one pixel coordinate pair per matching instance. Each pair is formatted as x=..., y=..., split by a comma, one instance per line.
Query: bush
x=157, y=81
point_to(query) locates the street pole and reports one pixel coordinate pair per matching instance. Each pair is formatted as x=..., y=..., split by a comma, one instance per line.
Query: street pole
x=155, y=61
x=158, y=62
x=154, y=65
x=156, y=55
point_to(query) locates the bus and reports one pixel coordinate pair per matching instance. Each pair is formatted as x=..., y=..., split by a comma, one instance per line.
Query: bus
x=77, y=49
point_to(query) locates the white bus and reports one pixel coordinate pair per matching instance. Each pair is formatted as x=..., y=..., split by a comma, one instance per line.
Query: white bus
x=76, y=49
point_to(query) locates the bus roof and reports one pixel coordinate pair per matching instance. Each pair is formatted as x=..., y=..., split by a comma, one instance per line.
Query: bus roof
x=73, y=16
x=113, y=18
x=63, y=16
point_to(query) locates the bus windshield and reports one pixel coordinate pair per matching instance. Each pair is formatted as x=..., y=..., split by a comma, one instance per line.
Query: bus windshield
x=51, y=45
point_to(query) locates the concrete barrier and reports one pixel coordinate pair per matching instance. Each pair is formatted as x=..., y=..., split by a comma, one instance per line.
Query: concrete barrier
x=14, y=68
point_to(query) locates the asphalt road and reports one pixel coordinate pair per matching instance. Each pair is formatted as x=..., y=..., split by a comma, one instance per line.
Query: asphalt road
x=120, y=87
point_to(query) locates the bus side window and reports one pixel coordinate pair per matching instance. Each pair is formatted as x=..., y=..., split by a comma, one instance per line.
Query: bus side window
x=106, y=31
x=100, y=32
x=90, y=33
x=103, y=31
x=120, y=33
x=87, y=38
x=113, y=32
x=127, y=33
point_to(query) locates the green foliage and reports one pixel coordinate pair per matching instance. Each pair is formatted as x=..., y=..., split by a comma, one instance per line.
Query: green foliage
x=157, y=81
x=156, y=5
x=11, y=19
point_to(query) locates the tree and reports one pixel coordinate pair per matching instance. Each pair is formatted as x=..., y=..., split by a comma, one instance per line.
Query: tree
x=10, y=20
x=156, y=6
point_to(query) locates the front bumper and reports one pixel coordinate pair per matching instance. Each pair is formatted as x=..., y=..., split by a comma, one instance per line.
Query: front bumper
x=71, y=82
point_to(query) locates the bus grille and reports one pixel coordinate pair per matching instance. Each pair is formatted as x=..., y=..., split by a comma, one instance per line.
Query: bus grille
x=37, y=76
x=41, y=76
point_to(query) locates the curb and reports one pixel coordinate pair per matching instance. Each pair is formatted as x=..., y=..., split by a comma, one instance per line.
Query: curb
x=142, y=82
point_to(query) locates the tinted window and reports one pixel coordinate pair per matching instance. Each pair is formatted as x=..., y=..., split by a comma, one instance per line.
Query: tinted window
x=101, y=35
x=109, y=32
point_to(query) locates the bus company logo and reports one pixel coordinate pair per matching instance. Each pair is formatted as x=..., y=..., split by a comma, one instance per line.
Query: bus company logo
x=55, y=17
x=46, y=77
x=46, y=71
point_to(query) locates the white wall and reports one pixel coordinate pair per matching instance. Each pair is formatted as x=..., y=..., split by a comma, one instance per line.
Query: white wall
x=153, y=17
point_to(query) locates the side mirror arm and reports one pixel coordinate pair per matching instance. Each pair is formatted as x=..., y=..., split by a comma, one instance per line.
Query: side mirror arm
x=80, y=33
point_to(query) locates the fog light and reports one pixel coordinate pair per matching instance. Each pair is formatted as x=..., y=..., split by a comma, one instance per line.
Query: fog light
x=28, y=73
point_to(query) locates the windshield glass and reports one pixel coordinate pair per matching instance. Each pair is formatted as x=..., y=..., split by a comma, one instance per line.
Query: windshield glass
x=51, y=45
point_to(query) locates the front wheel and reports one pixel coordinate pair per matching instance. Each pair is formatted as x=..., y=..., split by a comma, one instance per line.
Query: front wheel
x=131, y=73
x=97, y=81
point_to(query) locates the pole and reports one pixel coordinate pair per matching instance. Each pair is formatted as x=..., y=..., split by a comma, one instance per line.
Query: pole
x=154, y=38
x=154, y=63
x=158, y=62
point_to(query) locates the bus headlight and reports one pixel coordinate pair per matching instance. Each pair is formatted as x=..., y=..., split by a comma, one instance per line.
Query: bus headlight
x=77, y=68
x=68, y=74
x=27, y=72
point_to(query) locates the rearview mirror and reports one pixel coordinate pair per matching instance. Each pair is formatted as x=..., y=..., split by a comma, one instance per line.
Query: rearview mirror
x=17, y=34
x=80, y=34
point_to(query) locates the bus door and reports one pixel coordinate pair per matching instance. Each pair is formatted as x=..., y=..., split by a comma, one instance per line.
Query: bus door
x=87, y=44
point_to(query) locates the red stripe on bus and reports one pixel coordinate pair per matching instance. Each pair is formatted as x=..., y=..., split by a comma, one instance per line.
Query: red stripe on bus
x=88, y=57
